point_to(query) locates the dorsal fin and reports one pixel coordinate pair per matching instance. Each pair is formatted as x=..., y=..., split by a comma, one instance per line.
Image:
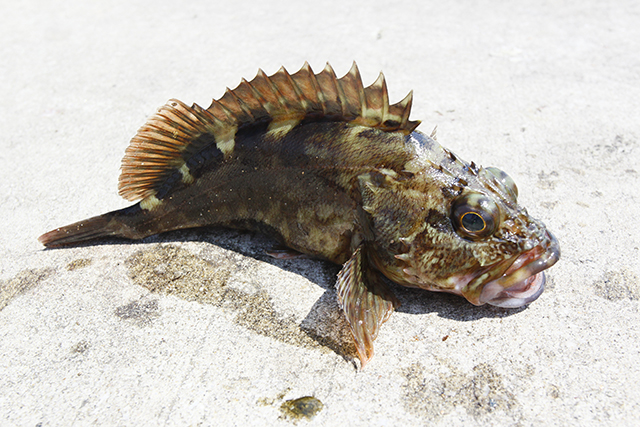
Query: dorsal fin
x=174, y=133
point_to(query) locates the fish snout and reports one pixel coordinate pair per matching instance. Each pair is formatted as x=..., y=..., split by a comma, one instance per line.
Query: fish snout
x=523, y=282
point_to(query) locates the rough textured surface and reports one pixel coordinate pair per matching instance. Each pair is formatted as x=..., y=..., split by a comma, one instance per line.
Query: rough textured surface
x=213, y=332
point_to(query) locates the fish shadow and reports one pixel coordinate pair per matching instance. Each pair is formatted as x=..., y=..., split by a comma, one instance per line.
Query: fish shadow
x=325, y=324
x=448, y=306
x=323, y=273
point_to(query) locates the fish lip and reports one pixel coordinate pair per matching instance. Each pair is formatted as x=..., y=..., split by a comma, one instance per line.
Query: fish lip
x=523, y=282
x=520, y=294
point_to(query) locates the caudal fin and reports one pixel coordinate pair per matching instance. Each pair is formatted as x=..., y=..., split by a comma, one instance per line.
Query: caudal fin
x=110, y=224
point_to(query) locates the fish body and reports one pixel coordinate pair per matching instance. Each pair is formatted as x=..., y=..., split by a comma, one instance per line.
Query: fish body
x=332, y=170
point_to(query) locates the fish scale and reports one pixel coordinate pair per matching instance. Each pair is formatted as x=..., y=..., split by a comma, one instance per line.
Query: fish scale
x=330, y=169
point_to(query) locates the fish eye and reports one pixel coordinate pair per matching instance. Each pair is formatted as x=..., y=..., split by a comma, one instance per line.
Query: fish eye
x=472, y=222
x=475, y=216
x=505, y=181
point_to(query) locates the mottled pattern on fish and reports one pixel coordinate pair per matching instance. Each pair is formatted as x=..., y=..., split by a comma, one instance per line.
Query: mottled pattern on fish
x=332, y=170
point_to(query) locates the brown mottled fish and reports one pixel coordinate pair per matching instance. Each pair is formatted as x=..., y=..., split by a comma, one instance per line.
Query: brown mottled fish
x=332, y=170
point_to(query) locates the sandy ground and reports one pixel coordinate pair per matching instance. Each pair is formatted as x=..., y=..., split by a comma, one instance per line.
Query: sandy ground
x=201, y=328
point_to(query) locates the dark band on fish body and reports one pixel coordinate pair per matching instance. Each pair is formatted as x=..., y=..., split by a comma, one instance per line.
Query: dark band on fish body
x=208, y=156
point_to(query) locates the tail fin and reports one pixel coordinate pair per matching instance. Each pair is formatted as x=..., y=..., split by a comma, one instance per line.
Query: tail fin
x=110, y=224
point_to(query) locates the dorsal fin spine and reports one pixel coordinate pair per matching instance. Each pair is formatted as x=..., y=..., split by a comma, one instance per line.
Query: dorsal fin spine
x=355, y=72
x=318, y=91
x=351, y=103
x=375, y=102
x=344, y=100
x=298, y=98
x=205, y=116
x=232, y=108
x=385, y=99
x=221, y=108
x=305, y=81
x=329, y=88
x=240, y=102
x=311, y=79
x=279, y=90
x=266, y=96
x=291, y=94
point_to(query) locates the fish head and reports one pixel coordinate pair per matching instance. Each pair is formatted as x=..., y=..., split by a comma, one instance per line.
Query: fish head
x=509, y=248
x=469, y=236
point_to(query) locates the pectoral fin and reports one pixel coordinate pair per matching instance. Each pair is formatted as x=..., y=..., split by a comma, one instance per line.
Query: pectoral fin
x=366, y=301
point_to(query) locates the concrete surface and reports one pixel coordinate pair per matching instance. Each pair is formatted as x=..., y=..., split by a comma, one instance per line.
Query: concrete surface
x=201, y=328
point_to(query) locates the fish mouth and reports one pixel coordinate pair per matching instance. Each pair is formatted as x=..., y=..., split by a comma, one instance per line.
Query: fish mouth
x=523, y=281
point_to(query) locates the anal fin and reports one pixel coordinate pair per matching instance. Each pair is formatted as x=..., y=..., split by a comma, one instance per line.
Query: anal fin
x=366, y=301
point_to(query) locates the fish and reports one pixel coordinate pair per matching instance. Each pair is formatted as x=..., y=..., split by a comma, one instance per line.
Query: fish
x=331, y=170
